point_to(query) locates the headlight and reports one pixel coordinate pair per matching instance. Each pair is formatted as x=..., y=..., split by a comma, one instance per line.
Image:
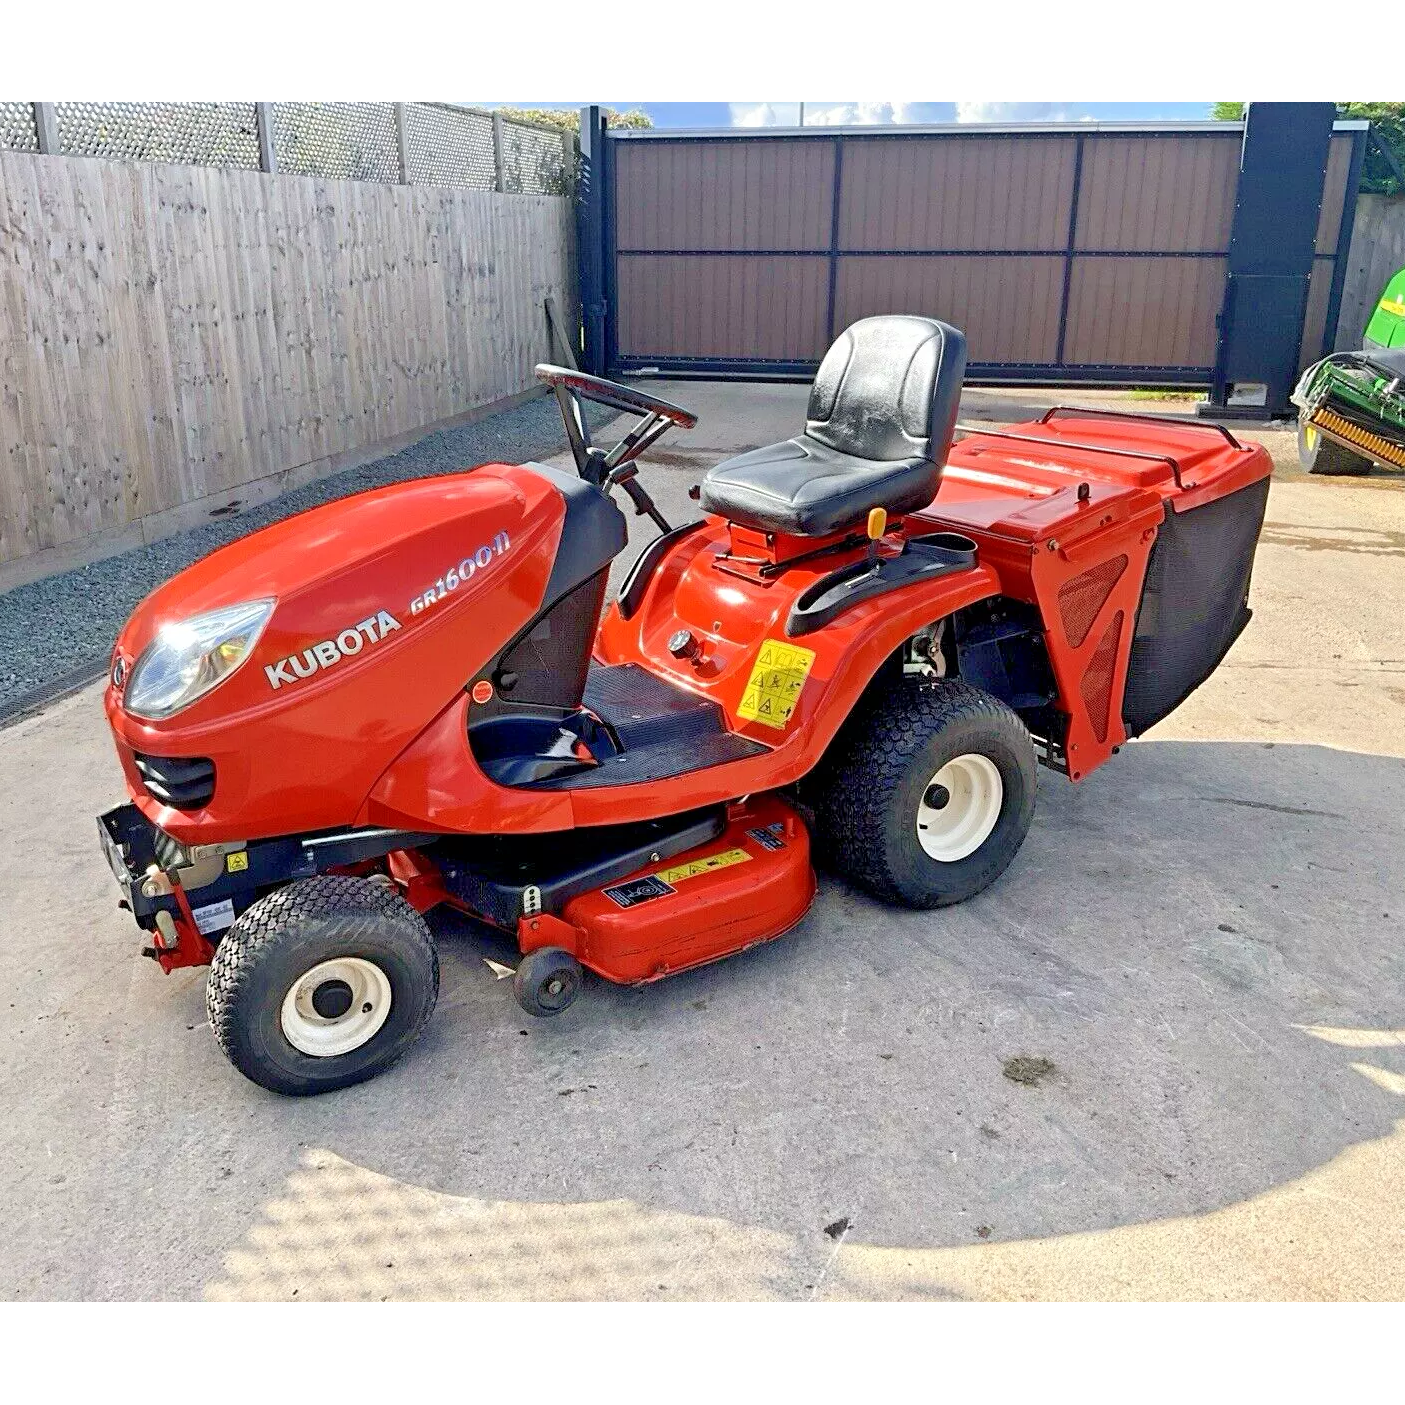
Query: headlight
x=189, y=657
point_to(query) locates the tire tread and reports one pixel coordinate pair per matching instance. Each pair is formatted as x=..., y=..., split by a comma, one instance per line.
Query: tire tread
x=866, y=766
x=368, y=904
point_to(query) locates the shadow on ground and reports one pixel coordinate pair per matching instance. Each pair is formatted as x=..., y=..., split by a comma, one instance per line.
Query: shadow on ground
x=1169, y=930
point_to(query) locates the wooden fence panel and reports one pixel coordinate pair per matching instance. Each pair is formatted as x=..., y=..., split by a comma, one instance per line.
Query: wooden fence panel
x=173, y=334
x=1377, y=252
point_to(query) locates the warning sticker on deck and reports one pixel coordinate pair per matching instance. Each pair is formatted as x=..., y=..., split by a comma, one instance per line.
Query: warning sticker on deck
x=695, y=868
x=637, y=890
x=774, y=687
x=770, y=837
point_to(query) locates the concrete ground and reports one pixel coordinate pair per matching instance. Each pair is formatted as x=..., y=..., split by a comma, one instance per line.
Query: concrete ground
x=1203, y=939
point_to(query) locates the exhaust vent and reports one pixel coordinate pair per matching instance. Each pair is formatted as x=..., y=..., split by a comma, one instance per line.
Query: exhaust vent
x=183, y=783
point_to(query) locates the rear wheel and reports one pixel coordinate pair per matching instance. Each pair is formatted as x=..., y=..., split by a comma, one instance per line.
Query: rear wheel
x=322, y=984
x=1318, y=454
x=928, y=794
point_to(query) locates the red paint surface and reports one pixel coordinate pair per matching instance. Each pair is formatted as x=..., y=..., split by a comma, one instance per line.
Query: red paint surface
x=708, y=916
x=381, y=737
x=305, y=756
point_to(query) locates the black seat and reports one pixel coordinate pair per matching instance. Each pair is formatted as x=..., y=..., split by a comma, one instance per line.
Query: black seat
x=1389, y=360
x=877, y=431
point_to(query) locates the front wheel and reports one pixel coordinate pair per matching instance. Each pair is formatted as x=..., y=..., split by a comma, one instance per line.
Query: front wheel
x=1318, y=454
x=928, y=794
x=322, y=984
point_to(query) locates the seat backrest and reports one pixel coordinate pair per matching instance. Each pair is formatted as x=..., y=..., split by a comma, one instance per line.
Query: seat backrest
x=888, y=389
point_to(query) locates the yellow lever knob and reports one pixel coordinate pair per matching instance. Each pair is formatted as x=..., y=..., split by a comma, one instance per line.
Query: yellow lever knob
x=877, y=523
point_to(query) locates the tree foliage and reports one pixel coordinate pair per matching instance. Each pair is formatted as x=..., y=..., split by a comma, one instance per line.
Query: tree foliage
x=1387, y=121
x=568, y=119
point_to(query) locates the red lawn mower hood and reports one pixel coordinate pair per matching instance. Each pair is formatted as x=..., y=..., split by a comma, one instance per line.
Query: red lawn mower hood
x=355, y=551
x=377, y=609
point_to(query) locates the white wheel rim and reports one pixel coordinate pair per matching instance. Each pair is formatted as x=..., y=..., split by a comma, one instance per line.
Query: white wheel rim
x=967, y=792
x=324, y=1036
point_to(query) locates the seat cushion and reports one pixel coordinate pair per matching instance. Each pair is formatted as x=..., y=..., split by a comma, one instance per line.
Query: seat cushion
x=805, y=488
x=877, y=430
x=1389, y=360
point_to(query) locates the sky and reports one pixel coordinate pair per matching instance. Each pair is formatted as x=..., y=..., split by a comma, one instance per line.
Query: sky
x=786, y=114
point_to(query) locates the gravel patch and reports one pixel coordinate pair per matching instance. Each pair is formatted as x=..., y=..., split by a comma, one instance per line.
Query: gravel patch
x=58, y=632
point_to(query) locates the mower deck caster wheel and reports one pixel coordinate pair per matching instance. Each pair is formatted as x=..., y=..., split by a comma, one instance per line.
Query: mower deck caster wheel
x=547, y=981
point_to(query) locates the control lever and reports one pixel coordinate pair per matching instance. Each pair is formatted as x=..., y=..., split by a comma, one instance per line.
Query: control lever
x=626, y=476
x=877, y=525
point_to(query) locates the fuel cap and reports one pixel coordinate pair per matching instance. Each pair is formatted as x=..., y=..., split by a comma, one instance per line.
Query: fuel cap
x=682, y=644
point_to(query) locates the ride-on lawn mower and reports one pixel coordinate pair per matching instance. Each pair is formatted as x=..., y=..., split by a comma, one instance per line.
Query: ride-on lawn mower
x=410, y=697
x=1351, y=405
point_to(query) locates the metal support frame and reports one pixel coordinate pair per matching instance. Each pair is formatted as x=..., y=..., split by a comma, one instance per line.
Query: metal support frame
x=402, y=140
x=46, y=128
x=268, y=154
x=993, y=373
x=1342, y=257
x=1282, y=170
x=499, y=165
x=1070, y=247
x=599, y=255
x=833, y=234
x=591, y=223
x=48, y=142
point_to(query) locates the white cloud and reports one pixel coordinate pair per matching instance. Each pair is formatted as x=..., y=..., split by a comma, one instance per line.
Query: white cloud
x=858, y=114
x=763, y=114
x=880, y=114
x=828, y=114
x=1013, y=112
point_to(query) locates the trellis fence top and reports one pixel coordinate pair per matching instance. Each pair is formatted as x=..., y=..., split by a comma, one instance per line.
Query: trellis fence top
x=407, y=143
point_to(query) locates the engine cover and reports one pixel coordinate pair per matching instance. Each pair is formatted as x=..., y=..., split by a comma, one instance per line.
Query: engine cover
x=388, y=603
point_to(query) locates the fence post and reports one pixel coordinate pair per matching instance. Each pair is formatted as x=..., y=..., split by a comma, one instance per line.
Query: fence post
x=501, y=178
x=402, y=139
x=46, y=127
x=568, y=160
x=1282, y=167
x=263, y=120
x=590, y=243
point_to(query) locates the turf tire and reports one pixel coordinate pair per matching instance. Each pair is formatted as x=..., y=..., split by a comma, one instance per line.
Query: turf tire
x=873, y=779
x=286, y=933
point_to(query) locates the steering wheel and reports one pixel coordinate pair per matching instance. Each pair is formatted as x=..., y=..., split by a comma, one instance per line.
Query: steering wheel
x=613, y=468
x=615, y=395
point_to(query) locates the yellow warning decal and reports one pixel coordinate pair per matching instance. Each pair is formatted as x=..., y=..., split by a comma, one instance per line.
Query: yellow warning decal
x=774, y=687
x=697, y=867
x=1395, y=305
x=236, y=863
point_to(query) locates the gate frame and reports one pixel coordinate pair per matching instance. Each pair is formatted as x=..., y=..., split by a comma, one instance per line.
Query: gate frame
x=599, y=253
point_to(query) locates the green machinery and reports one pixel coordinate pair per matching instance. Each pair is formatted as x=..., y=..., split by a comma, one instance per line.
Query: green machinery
x=1351, y=405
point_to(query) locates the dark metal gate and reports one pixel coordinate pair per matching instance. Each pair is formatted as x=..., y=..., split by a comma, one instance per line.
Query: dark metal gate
x=1079, y=253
